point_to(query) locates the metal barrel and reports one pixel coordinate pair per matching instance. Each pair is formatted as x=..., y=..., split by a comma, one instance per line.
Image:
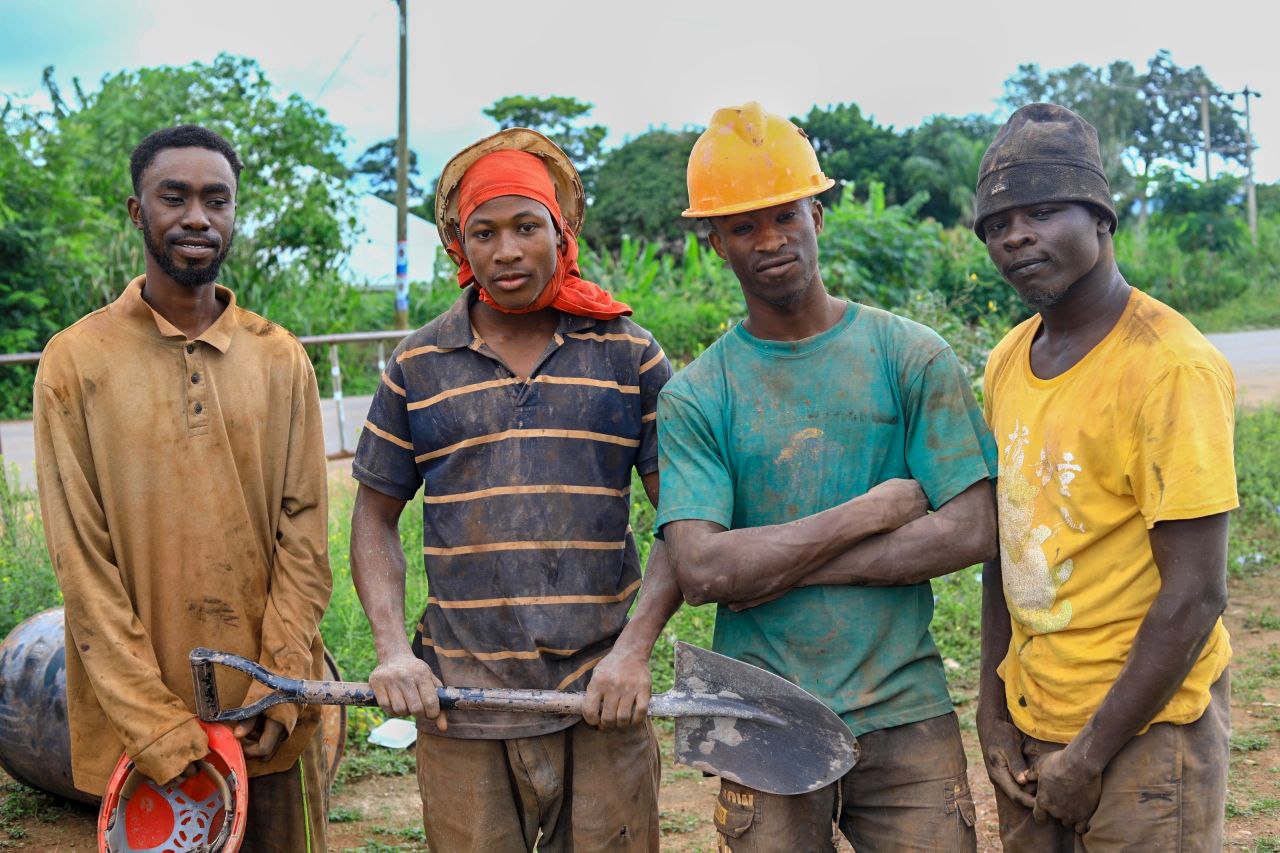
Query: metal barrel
x=35, y=742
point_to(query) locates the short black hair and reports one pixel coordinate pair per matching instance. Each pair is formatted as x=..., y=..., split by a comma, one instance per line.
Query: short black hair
x=182, y=136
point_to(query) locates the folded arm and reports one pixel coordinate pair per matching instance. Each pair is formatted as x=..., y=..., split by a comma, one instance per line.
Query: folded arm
x=713, y=564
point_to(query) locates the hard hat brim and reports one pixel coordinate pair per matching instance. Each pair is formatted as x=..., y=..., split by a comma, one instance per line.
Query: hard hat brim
x=564, y=176
x=759, y=204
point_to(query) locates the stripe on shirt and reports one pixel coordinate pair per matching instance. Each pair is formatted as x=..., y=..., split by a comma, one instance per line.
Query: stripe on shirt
x=652, y=416
x=586, y=435
x=382, y=433
x=386, y=380
x=612, y=336
x=416, y=351
x=579, y=672
x=475, y=603
x=533, y=654
x=535, y=545
x=547, y=489
x=462, y=389
x=653, y=362
x=548, y=379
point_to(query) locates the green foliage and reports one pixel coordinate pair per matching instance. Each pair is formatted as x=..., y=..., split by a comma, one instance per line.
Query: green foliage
x=640, y=190
x=853, y=149
x=946, y=153
x=1255, y=527
x=561, y=119
x=378, y=165
x=27, y=582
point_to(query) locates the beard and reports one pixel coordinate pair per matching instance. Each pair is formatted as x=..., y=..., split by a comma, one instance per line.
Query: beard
x=184, y=275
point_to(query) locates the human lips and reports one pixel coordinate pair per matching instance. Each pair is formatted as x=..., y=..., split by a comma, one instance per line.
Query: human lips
x=776, y=266
x=194, y=247
x=512, y=280
x=1026, y=266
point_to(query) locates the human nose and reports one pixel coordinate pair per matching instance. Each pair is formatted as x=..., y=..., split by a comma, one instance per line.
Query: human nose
x=508, y=249
x=770, y=240
x=1017, y=234
x=194, y=218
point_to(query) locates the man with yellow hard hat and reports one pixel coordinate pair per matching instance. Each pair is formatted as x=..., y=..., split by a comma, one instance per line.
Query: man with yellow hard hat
x=800, y=456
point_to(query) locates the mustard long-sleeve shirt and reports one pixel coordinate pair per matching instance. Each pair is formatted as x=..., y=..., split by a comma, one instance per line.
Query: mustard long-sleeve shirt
x=182, y=486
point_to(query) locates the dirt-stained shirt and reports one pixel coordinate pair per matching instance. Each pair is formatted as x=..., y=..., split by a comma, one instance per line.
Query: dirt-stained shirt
x=182, y=486
x=1137, y=432
x=530, y=560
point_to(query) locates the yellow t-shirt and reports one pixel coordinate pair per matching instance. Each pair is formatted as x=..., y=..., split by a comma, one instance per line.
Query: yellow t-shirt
x=1138, y=431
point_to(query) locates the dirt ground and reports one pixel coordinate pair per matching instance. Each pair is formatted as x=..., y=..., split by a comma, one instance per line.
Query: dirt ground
x=382, y=813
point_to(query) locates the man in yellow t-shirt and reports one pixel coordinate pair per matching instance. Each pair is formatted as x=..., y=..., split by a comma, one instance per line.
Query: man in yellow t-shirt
x=1103, y=711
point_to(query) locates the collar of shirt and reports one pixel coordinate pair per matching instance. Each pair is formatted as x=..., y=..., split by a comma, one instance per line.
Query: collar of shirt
x=148, y=321
x=456, y=331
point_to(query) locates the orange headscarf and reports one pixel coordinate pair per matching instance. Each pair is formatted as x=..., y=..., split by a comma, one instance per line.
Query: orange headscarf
x=511, y=172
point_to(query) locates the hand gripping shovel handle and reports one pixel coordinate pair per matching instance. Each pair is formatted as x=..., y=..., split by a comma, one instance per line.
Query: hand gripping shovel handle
x=302, y=692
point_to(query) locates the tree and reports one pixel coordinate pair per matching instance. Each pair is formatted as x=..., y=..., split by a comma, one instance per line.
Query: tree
x=946, y=153
x=854, y=149
x=1142, y=118
x=560, y=118
x=640, y=190
x=378, y=164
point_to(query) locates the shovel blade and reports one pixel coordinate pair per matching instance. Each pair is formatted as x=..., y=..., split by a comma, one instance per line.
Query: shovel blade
x=795, y=746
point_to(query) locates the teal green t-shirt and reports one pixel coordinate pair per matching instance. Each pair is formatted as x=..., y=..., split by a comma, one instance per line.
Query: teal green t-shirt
x=758, y=432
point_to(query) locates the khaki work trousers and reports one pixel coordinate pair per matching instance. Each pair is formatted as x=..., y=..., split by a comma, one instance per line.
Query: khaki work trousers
x=289, y=810
x=580, y=789
x=908, y=792
x=1165, y=790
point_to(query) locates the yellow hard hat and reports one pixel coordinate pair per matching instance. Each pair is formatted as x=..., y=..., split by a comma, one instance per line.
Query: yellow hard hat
x=749, y=159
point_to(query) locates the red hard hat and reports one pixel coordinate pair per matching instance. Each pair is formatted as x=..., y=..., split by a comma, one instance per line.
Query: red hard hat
x=204, y=812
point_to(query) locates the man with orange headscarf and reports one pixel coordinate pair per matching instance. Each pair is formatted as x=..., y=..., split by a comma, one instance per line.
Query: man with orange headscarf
x=520, y=412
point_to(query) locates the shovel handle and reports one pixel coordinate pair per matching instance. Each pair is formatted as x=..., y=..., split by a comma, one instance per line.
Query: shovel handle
x=305, y=692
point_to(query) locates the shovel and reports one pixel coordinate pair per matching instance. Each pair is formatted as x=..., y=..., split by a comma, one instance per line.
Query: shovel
x=732, y=719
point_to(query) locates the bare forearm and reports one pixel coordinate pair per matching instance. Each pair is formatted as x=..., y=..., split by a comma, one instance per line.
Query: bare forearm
x=1191, y=556
x=659, y=598
x=961, y=533
x=997, y=631
x=1164, y=650
x=726, y=566
x=378, y=570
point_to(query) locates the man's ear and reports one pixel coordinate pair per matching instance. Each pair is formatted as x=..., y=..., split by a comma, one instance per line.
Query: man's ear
x=815, y=210
x=134, y=207
x=713, y=237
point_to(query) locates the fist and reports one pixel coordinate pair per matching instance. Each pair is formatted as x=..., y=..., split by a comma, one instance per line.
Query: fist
x=899, y=502
x=406, y=686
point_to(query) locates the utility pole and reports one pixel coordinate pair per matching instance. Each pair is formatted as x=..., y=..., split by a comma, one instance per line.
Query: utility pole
x=402, y=181
x=1250, y=190
x=1204, y=128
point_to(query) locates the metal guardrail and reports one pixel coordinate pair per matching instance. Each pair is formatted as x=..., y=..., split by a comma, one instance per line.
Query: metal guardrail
x=335, y=368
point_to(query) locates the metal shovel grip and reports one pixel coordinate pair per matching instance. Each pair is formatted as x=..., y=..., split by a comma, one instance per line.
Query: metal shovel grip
x=304, y=692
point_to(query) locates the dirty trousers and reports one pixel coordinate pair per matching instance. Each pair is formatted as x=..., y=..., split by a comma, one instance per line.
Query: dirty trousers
x=908, y=792
x=289, y=810
x=580, y=789
x=1165, y=790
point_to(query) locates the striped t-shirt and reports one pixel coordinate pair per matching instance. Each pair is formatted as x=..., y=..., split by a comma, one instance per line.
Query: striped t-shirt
x=530, y=561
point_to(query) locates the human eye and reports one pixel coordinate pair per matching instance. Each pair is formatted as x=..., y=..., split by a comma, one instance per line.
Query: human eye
x=1044, y=212
x=528, y=227
x=787, y=217
x=741, y=229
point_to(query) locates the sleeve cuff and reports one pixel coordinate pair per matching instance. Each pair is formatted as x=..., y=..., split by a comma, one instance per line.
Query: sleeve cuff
x=381, y=484
x=168, y=755
x=286, y=715
x=692, y=513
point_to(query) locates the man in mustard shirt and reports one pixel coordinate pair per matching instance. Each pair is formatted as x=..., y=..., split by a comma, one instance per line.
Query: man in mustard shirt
x=1104, y=706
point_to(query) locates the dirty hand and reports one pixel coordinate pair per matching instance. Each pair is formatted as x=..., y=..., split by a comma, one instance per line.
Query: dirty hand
x=1006, y=766
x=898, y=501
x=406, y=686
x=618, y=694
x=187, y=772
x=264, y=744
x=1066, y=789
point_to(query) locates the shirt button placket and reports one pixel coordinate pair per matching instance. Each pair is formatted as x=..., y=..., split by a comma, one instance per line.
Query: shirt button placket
x=194, y=383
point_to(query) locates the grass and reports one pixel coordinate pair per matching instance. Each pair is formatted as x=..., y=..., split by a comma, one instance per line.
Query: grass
x=1256, y=308
x=1249, y=742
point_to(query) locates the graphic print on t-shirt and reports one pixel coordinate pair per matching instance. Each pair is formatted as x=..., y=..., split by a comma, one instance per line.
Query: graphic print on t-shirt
x=1031, y=584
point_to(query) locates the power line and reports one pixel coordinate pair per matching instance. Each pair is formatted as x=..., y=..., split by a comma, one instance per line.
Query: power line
x=343, y=60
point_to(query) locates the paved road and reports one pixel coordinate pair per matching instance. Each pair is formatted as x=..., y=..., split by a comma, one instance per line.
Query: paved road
x=1255, y=357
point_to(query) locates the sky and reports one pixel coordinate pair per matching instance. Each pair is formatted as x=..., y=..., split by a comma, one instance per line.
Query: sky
x=661, y=63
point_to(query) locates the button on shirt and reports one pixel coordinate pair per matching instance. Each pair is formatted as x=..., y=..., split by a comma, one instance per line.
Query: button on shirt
x=528, y=552
x=182, y=486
